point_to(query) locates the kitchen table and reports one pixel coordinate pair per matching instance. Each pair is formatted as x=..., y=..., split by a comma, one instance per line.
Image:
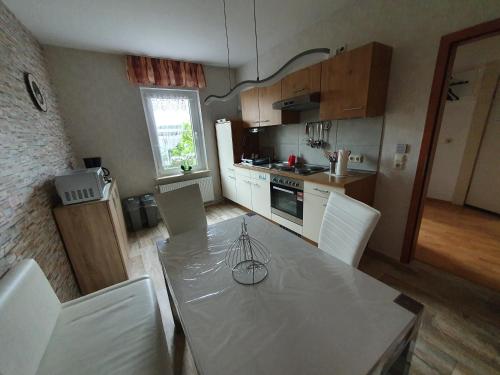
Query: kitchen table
x=313, y=314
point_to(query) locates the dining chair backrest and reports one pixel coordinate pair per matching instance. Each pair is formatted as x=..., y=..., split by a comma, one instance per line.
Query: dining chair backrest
x=182, y=209
x=346, y=228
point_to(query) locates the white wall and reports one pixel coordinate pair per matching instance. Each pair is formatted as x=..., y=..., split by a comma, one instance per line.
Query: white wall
x=455, y=127
x=413, y=29
x=104, y=116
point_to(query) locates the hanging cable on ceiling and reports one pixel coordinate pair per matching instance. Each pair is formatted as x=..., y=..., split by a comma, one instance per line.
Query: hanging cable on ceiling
x=290, y=65
x=227, y=47
x=256, y=42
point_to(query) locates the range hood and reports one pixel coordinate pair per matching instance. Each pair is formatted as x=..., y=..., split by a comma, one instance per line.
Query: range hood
x=299, y=103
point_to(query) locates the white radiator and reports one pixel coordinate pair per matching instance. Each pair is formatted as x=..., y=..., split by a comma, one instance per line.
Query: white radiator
x=205, y=184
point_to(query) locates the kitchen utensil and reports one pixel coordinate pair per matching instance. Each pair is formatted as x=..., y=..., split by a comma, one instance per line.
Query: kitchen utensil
x=342, y=158
x=310, y=134
x=316, y=141
x=247, y=257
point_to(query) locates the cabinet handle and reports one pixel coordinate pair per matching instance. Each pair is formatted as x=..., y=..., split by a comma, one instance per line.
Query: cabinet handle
x=284, y=190
x=324, y=204
x=232, y=177
x=353, y=108
x=299, y=90
x=265, y=120
x=255, y=122
x=321, y=191
x=255, y=184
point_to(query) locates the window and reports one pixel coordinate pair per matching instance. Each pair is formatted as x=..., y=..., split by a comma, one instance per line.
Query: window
x=175, y=129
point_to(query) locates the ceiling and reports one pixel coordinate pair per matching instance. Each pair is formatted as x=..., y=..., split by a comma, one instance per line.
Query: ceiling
x=179, y=29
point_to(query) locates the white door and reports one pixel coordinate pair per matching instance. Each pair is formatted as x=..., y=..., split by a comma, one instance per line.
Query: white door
x=244, y=191
x=224, y=144
x=484, y=189
x=314, y=209
x=228, y=182
x=261, y=198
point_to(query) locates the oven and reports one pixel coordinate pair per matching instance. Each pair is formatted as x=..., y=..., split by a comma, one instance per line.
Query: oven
x=287, y=198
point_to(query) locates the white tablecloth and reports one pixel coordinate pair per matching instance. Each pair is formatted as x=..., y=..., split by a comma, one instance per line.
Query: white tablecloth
x=313, y=314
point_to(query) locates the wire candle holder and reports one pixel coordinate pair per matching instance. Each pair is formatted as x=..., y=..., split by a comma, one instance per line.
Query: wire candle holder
x=247, y=257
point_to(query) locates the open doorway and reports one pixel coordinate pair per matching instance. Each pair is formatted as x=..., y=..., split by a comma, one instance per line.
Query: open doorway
x=460, y=229
x=454, y=219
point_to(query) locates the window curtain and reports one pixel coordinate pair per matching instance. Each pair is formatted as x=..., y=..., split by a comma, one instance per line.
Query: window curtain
x=164, y=73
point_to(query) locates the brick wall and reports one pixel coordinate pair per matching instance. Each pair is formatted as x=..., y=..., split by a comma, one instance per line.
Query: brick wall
x=33, y=148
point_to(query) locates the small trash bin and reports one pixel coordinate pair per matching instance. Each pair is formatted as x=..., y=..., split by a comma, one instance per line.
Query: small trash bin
x=132, y=213
x=150, y=210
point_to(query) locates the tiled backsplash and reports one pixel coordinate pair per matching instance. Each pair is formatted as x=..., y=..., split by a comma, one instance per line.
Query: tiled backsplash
x=361, y=136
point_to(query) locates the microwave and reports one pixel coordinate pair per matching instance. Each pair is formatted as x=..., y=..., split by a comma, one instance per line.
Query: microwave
x=81, y=185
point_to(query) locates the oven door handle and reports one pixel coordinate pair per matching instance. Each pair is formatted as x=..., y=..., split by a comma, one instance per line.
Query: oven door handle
x=284, y=190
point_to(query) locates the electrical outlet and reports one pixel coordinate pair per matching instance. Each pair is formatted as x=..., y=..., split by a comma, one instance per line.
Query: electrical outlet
x=356, y=158
x=341, y=49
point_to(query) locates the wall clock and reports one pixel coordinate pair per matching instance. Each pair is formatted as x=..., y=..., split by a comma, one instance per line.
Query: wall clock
x=35, y=92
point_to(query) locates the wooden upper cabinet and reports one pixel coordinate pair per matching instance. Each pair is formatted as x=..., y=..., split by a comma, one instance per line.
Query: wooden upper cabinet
x=354, y=84
x=302, y=82
x=259, y=101
x=267, y=96
x=250, y=106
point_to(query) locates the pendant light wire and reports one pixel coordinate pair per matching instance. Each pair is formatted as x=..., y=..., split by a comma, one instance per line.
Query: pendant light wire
x=256, y=45
x=238, y=87
x=227, y=47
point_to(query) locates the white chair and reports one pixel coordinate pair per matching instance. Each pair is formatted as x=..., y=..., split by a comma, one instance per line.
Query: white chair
x=116, y=330
x=346, y=228
x=182, y=210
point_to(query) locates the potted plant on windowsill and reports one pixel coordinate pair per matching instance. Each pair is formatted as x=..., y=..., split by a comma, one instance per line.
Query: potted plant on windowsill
x=185, y=167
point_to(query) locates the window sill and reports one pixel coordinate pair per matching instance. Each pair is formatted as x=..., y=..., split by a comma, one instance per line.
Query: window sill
x=183, y=176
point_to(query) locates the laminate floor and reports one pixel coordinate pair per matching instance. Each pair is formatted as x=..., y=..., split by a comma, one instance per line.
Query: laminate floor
x=462, y=240
x=460, y=328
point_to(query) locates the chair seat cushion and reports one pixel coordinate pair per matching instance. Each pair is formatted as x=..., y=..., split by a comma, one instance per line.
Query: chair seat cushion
x=117, y=330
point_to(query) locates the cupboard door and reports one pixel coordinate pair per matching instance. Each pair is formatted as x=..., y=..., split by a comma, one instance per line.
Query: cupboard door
x=267, y=96
x=92, y=247
x=250, y=107
x=354, y=84
x=116, y=213
x=332, y=72
x=244, y=191
x=261, y=198
x=225, y=144
x=314, y=209
x=228, y=182
x=302, y=82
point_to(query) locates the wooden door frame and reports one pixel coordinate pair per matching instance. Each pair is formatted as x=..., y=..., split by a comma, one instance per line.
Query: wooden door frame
x=444, y=63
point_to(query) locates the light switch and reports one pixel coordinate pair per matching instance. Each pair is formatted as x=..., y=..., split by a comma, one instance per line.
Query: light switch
x=401, y=148
x=399, y=161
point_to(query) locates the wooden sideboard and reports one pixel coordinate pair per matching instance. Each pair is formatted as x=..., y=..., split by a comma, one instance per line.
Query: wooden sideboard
x=95, y=238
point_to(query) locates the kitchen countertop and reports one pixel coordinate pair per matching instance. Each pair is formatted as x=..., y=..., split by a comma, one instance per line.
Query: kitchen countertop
x=318, y=178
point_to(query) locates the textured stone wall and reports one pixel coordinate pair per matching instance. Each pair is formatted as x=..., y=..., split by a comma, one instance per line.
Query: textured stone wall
x=33, y=149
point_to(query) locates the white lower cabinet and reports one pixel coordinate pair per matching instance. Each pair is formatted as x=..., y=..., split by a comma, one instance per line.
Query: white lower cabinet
x=261, y=198
x=244, y=190
x=252, y=192
x=228, y=182
x=314, y=209
x=315, y=199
